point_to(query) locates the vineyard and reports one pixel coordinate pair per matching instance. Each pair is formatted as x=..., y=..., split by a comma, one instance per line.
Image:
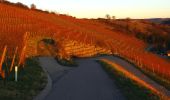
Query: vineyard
x=22, y=29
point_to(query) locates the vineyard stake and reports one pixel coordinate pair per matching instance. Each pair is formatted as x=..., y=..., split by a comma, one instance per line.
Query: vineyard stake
x=16, y=73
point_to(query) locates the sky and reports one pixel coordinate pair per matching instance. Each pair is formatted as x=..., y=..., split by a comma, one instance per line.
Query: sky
x=99, y=8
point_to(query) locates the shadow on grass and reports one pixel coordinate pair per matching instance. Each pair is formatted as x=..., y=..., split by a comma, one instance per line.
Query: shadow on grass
x=155, y=77
x=130, y=89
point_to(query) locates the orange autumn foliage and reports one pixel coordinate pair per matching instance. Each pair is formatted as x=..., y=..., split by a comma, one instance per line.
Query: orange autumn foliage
x=14, y=22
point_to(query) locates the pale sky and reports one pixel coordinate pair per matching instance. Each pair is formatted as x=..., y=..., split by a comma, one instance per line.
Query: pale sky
x=99, y=8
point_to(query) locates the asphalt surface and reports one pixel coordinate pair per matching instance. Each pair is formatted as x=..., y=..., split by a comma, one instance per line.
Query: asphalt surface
x=89, y=81
x=86, y=82
x=54, y=70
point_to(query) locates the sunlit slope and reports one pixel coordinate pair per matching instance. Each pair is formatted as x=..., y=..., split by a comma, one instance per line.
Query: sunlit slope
x=15, y=22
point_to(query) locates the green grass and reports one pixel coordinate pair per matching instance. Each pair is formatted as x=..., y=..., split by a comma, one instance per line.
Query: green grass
x=64, y=62
x=31, y=80
x=130, y=89
x=154, y=76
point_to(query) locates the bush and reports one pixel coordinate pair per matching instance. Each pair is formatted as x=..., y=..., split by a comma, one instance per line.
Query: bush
x=66, y=62
x=49, y=41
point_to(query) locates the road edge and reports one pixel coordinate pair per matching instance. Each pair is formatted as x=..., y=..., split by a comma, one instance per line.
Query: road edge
x=47, y=89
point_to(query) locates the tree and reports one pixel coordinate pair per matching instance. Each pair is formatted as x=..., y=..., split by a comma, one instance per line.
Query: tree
x=19, y=4
x=108, y=16
x=128, y=19
x=33, y=6
x=113, y=17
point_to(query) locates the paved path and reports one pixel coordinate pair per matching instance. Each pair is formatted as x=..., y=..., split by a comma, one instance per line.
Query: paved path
x=86, y=82
x=55, y=70
x=124, y=64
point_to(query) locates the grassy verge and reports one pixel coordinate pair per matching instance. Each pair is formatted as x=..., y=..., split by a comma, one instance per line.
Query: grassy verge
x=64, y=62
x=31, y=80
x=155, y=77
x=130, y=89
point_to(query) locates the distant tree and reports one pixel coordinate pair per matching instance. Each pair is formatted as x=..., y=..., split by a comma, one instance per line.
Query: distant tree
x=113, y=17
x=21, y=5
x=128, y=19
x=33, y=6
x=18, y=4
x=108, y=16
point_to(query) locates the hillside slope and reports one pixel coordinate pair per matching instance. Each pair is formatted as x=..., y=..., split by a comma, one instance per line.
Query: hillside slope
x=151, y=33
x=16, y=22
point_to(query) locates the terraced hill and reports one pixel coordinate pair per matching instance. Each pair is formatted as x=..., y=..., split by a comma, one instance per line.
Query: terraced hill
x=73, y=37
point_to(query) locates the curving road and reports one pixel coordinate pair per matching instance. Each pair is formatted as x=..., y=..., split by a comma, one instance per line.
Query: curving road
x=88, y=81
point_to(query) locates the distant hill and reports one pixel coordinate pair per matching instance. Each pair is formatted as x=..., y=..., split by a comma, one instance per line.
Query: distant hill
x=151, y=30
x=167, y=22
x=160, y=20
